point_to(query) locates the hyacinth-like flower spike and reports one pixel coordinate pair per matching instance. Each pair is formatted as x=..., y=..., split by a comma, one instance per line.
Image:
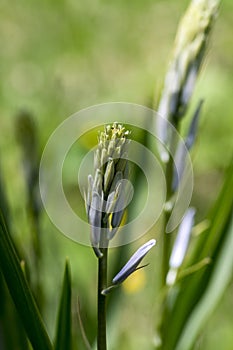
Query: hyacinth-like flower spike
x=190, y=47
x=182, y=148
x=181, y=245
x=192, y=132
x=106, y=197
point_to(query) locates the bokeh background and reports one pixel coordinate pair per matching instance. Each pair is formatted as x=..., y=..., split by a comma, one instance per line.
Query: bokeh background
x=58, y=57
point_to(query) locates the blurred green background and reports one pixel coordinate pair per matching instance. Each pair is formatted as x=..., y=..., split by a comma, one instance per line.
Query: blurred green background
x=58, y=57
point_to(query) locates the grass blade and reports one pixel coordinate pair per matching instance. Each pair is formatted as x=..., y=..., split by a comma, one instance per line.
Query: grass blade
x=63, y=331
x=220, y=278
x=20, y=292
x=192, y=289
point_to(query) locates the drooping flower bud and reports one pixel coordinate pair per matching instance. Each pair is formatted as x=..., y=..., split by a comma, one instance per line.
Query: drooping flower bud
x=181, y=245
x=133, y=262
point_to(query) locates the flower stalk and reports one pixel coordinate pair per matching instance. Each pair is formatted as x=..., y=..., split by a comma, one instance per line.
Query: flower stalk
x=105, y=205
x=188, y=54
x=101, y=302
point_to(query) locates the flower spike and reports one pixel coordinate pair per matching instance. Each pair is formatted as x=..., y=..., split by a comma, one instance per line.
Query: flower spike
x=104, y=197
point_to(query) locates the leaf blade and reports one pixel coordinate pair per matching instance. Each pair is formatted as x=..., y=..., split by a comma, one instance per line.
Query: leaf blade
x=20, y=292
x=63, y=331
x=220, y=278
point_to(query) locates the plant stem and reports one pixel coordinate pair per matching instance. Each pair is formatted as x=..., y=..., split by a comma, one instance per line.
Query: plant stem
x=167, y=241
x=102, y=284
x=168, y=237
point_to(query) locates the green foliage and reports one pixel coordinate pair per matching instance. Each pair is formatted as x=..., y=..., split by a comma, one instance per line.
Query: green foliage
x=58, y=58
x=219, y=279
x=20, y=291
x=63, y=332
x=195, y=296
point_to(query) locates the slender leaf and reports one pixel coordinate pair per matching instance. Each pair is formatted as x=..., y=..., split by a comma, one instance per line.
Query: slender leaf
x=13, y=337
x=63, y=332
x=3, y=199
x=192, y=288
x=208, y=241
x=220, y=278
x=20, y=292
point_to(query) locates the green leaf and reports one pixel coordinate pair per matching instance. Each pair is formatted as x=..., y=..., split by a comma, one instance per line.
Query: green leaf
x=20, y=291
x=220, y=278
x=63, y=331
x=3, y=200
x=13, y=337
x=209, y=241
x=191, y=290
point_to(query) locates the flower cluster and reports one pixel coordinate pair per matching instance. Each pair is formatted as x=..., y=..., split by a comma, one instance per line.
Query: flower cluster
x=188, y=54
x=107, y=194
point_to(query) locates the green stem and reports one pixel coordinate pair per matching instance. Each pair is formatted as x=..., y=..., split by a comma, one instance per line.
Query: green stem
x=167, y=242
x=168, y=237
x=102, y=284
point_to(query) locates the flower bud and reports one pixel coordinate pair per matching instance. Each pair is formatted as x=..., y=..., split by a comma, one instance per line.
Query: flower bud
x=133, y=262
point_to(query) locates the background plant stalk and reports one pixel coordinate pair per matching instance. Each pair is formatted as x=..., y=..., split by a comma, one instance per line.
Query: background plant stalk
x=167, y=238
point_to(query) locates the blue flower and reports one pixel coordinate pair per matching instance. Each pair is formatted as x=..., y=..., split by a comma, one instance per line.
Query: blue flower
x=181, y=245
x=133, y=262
